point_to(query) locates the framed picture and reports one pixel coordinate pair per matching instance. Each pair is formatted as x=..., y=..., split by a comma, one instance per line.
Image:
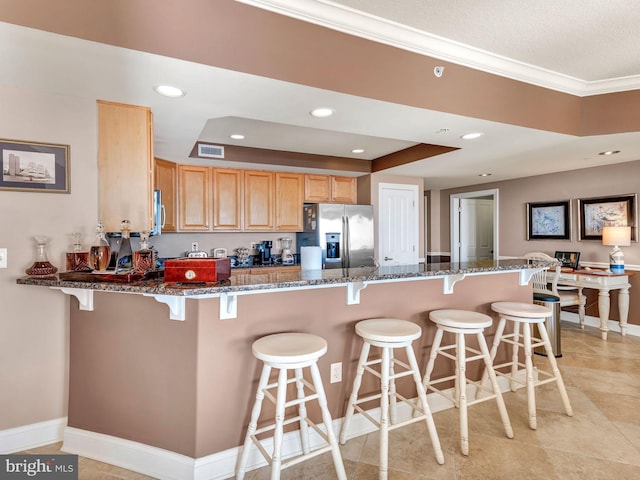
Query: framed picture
x=568, y=259
x=34, y=166
x=549, y=220
x=614, y=211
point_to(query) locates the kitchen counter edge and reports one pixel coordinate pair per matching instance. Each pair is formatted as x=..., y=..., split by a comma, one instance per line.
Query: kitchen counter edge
x=290, y=280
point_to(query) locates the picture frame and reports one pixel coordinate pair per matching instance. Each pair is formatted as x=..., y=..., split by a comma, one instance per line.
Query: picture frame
x=568, y=259
x=34, y=166
x=549, y=220
x=610, y=211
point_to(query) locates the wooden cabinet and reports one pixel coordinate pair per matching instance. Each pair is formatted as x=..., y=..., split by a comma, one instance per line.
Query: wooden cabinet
x=194, y=198
x=125, y=168
x=317, y=188
x=344, y=190
x=289, y=201
x=227, y=194
x=330, y=189
x=166, y=180
x=258, y=200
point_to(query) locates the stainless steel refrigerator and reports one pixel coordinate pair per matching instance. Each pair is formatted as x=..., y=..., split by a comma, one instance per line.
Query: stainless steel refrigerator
x=344, y=232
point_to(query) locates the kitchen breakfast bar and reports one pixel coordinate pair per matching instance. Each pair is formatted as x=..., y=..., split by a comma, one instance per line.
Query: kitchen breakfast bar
x=162, y=378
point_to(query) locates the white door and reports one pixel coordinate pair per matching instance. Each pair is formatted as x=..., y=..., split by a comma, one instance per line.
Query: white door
x=476, y=229
x=474, y=226
x=398, y=224
x=484, y=229
x=468, y=244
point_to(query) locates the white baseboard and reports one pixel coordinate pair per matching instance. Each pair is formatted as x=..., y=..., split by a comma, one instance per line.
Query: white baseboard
x=614, y=325
x=31, y=436
x=167, y=465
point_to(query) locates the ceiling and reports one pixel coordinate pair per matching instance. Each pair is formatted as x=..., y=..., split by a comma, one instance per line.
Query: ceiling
x=583, y=47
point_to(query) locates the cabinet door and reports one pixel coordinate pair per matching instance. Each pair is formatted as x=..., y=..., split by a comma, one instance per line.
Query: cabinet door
x=194, y=198
x=227, y=199
x=258, y=200
x=344, y=190
x=289, y=201
x=125, y=168
x=317, y=188
x=166, y=180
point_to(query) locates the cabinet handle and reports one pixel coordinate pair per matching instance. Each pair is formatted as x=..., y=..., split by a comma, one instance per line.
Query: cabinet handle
x=386, y=259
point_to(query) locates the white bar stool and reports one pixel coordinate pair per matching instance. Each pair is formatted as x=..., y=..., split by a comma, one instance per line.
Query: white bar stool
x=527, y=314
x=290, y=351
x=461, y=323
x=389, y=333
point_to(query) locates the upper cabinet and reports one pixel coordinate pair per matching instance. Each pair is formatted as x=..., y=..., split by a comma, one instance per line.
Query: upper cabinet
x=227, y=198
x=258, y=200
x=166, y=180
x=125, y=168
x=344, y=189
x=194, y=198
x=289, y=201
x=330, y=189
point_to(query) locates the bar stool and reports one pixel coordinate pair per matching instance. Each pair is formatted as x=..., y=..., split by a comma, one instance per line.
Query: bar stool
x=527, y=314
x=388, y=334
x=461, y=323
x=290, y=351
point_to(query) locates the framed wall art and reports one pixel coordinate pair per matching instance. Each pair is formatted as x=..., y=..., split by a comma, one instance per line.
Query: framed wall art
x=34, y=166
x=549, y=220
x=614, y=211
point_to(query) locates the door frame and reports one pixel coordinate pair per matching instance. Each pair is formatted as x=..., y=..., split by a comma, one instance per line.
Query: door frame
x=455, y=225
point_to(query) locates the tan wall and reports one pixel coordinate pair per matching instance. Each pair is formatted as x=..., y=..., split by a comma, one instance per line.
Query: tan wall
x=34, y=322
x=189, y=386
x=513, y=195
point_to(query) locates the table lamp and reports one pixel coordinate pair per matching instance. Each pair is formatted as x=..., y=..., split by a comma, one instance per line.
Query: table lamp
x=616, y=237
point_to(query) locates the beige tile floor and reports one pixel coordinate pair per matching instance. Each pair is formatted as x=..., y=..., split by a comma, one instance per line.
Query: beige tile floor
x=600, y=442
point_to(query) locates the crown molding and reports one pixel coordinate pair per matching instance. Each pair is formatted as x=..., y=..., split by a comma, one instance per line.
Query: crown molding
x=361, y=24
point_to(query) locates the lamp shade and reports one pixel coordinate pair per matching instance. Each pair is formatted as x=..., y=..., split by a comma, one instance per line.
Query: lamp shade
x=616, y=236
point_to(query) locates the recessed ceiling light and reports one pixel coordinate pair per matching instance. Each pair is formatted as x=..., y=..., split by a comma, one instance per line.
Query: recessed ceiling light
x=169, y=91
x=471, y=136
x=484, y=175
x=609, y=152
x=237, y=136
x=322, y=112
x=357, y=150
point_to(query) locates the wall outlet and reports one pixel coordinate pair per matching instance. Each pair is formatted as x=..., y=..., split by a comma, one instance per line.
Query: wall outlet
x=253, y=246
x=336, y=372
x=194, y=246
x=3, y=258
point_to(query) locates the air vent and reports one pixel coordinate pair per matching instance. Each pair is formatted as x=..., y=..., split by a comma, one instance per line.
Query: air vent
x=210, y=151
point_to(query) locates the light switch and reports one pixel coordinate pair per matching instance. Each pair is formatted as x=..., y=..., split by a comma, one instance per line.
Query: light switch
x=3, y=258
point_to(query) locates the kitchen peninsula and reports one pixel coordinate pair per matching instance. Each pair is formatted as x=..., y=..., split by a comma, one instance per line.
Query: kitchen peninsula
x=139, y=380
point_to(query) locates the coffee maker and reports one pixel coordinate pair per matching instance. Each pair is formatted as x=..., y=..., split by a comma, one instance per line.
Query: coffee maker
x=264, y=249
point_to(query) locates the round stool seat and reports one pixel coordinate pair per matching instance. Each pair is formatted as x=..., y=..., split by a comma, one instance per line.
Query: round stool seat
x=524, y=311
x=460, y=319
x=282, y=348
x=390, y=330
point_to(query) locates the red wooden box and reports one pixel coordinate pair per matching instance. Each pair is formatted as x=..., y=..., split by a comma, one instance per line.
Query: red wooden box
x=197, y=270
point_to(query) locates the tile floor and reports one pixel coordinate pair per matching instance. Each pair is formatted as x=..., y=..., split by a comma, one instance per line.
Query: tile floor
x=600, y=442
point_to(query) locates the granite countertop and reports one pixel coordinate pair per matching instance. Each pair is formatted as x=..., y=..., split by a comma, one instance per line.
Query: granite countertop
x=294, y=279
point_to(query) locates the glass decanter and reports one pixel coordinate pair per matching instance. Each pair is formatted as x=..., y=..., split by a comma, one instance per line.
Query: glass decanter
x=42, y=266
x=77, y=260
x=144, y=259
x=125, y=253
x=99, y=253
